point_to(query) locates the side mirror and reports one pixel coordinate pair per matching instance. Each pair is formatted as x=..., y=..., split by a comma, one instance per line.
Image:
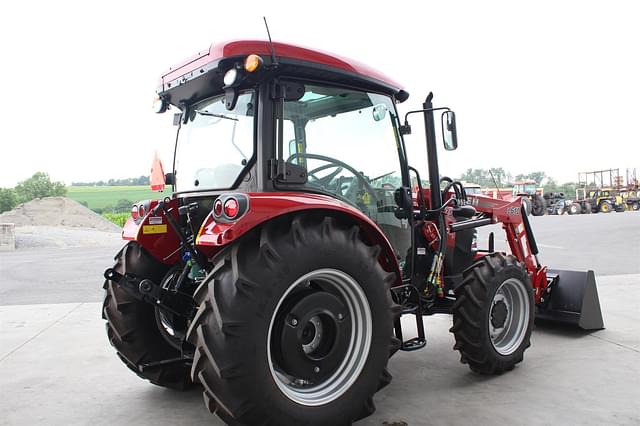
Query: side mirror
x=379, y=112
x=169, y=179
x=449, y=133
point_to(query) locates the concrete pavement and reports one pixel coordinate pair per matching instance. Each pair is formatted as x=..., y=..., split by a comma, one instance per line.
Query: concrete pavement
x=57, y=368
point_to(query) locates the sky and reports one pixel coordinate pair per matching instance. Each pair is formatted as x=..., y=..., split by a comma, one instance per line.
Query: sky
x=545, y=85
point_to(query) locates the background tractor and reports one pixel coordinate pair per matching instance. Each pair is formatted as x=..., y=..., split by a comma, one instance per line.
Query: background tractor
x=276, y=273
x=532, y=197
x=603, y=200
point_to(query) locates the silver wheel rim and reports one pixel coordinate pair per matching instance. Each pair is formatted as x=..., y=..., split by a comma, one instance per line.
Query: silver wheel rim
x=507, y=335
x=345, y=375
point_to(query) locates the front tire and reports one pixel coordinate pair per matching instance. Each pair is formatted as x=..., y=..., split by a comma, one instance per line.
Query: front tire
x=493, y=314
x=606, y=207
x=294, y=326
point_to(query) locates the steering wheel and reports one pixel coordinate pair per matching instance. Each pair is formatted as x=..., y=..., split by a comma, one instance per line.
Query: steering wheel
x=339, y=165
x=324, y=181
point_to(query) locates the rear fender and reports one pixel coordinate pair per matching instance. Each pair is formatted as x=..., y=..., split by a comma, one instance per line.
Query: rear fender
x=264, y=207
x=154, y=233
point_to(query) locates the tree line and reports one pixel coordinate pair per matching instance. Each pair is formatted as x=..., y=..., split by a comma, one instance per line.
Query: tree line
x=37, y=186
x=492, y=177
x=135, y=181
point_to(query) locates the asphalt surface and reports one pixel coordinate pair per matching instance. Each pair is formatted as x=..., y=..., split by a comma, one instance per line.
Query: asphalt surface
x=57, y=368
x=609, y=244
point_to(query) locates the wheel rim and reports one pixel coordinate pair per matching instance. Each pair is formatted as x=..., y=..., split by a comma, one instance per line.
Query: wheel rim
x=323, y=319
x=509, y=316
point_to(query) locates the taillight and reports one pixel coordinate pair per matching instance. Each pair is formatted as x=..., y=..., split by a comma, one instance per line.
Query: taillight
x=141, y=211
x=134, y=212
x=217, y=208
x=231, y=208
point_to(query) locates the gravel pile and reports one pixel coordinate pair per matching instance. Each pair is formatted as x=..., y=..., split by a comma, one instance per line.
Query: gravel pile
x=56, y=211
x=28, y=237
x=60, y=222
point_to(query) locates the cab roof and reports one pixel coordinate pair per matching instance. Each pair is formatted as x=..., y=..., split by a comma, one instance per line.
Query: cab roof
x=288, y=56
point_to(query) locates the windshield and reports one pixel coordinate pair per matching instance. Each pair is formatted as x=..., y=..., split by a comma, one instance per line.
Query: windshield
x=215, y=144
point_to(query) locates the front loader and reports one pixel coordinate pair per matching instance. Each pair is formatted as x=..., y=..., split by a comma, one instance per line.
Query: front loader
x=297, y=234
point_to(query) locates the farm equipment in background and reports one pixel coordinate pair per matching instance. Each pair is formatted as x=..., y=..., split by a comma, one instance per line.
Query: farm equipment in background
x=556, y=203
x=580, y=205
x=531, y=195
x=603, y=200
x=472, y=188
x=631, y=200
x=276, y=273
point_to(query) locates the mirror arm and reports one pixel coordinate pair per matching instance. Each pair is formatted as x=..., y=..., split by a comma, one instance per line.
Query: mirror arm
x=406, y=116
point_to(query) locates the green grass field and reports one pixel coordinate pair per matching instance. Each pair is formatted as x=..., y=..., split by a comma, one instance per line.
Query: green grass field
x=103, y=196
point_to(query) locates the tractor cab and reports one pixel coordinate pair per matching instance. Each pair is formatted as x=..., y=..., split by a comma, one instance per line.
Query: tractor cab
x=525, y=187
x=301, y=122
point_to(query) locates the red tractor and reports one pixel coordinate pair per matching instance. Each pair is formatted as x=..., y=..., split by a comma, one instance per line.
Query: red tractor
x=532, y=197
x=276, y=273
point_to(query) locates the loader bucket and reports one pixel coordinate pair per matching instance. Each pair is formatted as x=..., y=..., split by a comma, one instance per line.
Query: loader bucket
x=573, y=300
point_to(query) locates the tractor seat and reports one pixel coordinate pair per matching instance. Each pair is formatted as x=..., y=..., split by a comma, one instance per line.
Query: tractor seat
x=464, y=211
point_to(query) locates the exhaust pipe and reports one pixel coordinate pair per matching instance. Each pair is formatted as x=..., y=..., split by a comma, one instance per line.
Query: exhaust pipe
x=572, y=298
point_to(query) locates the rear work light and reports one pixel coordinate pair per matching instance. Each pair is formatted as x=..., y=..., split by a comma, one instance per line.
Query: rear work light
x=134, y=212
x=231, y=208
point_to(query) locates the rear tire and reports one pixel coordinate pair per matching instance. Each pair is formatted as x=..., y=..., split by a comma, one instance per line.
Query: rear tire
x=493, y=314
x=132, y=330
x=575, y=209
x=269, y=347
x=538, y=205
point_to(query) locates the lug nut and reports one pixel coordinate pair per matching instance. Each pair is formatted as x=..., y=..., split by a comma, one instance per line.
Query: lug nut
x=340, y=317
x=294, y=321
x=316, y=369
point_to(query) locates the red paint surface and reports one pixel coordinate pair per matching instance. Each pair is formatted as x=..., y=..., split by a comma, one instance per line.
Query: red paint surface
x=266, y=206
x=163, y=247
x=227, y=49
